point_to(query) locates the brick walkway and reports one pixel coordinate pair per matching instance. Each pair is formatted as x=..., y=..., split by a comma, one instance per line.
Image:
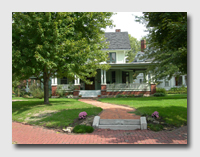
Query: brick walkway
x=111, y=111
x=27, y=134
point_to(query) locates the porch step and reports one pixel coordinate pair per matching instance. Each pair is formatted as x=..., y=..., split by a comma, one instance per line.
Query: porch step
x=90, y=93
x=120, y=124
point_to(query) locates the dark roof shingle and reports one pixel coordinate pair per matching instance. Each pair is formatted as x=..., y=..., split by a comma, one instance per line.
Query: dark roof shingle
x=117, y=40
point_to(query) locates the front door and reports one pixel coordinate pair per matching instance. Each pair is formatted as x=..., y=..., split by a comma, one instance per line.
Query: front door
x=125, y=77
x=92, y=86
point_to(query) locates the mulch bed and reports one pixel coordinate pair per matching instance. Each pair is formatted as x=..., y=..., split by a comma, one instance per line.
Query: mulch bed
x=160, y=121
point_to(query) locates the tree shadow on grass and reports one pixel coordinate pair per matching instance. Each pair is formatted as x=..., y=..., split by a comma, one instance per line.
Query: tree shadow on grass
x=62, y=118
x=21, y=106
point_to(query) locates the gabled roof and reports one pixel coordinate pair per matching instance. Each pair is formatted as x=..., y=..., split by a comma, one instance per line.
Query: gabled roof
x=118, y=41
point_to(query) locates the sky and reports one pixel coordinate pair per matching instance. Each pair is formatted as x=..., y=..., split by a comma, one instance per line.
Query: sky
x=126, y=22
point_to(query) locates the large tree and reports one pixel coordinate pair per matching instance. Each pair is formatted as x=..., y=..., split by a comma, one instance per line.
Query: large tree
x=135, y=47
x=167, y=42
x=57, y=44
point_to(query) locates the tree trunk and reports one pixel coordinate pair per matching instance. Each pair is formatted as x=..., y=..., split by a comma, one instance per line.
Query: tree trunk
x=46, y=89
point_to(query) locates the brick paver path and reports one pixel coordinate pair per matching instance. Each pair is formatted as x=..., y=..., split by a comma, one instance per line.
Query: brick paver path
x=111, y=111
x=27, y=134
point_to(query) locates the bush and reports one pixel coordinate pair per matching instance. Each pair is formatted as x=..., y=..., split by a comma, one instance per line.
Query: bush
x=83, y=129
x=158, y=94
x=36, y=91
x=120, y=96
x=176, y=90
x=59, y=91
x=25, y=96
x=161, y=90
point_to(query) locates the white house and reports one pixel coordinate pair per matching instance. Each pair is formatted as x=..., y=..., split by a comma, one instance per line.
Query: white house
x=118, y=79
x=167, y=84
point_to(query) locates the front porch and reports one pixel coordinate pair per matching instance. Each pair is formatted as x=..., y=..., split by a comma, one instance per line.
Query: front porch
x=117, y=80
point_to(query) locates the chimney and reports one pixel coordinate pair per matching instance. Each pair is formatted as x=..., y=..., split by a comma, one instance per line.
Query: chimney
x=117, y=30
x=143, y=45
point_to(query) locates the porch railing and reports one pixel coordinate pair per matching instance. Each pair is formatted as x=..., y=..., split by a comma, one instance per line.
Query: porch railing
x=66, y=87
x=128, y=87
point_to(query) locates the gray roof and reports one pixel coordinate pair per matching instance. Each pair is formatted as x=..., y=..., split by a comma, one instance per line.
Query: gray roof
x=118, y=40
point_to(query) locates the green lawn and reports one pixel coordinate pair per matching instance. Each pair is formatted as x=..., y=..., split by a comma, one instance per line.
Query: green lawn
x=172, y=108
x=59, y=113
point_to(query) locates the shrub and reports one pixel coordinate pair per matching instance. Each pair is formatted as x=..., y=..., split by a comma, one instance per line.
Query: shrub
x=36, y=91
x=70, y=96
x=120, y=96
x=82, y=115
x=176, y=90
x=59, y=91
x=83, y=129
x=161, y=90
x=25, y=96
x=158, y=94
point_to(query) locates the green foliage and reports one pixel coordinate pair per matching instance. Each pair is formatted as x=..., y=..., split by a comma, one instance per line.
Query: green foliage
x=59, y=91
x=155, y=127
x=135, y=47
x=176, y=90
x=161, y=90
x=158, y=94
x=167, y=43
x=36, y=91
x=58, y=44
x=26, y=96
x=83, y=129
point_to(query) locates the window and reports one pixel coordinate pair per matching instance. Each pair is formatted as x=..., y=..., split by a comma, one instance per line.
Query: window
x=140, y=80
x=166, y=83
x=178, y=81
x=112, y=57
x=113, y=76
x=63, y=80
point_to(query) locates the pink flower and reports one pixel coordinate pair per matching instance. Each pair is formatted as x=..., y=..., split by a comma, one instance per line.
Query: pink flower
x=82, y=115
x=155, y=114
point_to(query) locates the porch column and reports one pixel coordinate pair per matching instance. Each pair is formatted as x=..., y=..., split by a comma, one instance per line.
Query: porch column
x=75, y=80
x=54, y=86
x=101, y=76
x=103, y=82
x=144, y=77
x=55, y=80
x=104, y=76
x=78, y=81
x=183, y=80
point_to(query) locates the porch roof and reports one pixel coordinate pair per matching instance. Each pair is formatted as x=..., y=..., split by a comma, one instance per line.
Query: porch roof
x=131, y=66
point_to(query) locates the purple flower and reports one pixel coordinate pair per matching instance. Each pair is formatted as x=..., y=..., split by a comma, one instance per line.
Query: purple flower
x=82, y=115
x=155, y=114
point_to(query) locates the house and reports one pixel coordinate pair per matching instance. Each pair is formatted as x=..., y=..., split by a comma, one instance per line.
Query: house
x=164, y=83
x=118, y=79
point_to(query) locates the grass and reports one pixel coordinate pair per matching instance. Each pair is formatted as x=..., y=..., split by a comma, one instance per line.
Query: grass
x=172, y=108
x=58, y=114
